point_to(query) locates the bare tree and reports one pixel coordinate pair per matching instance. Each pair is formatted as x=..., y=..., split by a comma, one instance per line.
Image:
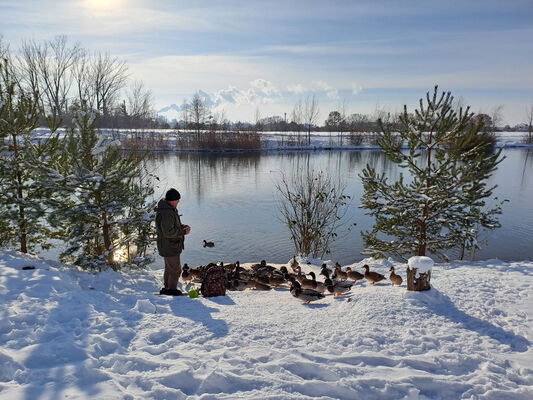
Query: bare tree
x=109, y=76
x=84, y=87
x=258, y=125
x=185, y=113
x=297, y=116
x=311, y=113
x=199, y=113
x=312, y=205
x=47, y=70
x=530, y=124
x=140, y=104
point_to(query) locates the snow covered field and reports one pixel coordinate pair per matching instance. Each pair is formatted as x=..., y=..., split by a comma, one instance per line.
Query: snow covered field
x=71, y=334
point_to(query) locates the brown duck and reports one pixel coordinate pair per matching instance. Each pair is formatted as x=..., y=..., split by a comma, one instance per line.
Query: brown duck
x=294, y=264
x=340, y=273
x=395, y=278
x=372, y=276
x=354, y=275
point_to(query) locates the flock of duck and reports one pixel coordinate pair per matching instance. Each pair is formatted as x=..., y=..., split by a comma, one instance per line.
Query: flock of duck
x=302, y=286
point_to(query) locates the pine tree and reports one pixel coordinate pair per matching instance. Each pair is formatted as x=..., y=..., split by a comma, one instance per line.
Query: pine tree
x=105, y=208
x=441, y=202
x=23, y=198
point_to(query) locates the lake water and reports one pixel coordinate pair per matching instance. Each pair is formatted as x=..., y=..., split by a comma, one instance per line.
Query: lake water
x=230, y=199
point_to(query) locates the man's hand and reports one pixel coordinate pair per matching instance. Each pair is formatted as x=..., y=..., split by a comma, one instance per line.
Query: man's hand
x=187, y=229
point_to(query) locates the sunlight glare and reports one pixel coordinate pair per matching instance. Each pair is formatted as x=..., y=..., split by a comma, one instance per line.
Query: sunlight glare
x=104, y=4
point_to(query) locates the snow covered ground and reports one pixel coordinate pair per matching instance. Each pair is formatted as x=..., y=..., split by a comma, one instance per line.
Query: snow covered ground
x=65, y=333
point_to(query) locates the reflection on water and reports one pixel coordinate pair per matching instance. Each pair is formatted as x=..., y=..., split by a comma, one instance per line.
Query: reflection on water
x=230, y=199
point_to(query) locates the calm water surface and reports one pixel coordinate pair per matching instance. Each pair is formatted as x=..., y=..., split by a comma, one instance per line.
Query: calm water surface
x=231, y=200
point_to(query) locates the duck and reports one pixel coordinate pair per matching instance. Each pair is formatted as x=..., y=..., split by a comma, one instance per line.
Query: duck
x=258, y=285
x=232, y=266
x=372, y=276
x=208, y=244
x=306, y=295
x=197, y=274
x=239, y=285
x=309, y=283
x=319, y=285
x=337, y=288
x=395, y=278
x=186, y=274
x=340, y=273
x=325, y=271
x=294, y=264
x=275, y=279
x=354, y=275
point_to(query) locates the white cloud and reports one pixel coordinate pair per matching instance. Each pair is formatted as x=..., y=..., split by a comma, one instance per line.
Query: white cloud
x=330, y=91
x=356, y=88
x=264, y=87
x=296, y=89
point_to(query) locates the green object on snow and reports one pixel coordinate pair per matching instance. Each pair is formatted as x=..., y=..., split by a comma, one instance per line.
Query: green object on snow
x=193, y=293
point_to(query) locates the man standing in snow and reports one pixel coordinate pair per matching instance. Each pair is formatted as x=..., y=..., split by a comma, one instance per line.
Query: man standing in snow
x=170, y=239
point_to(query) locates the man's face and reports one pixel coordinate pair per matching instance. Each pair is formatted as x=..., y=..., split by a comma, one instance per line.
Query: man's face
x=174, y=203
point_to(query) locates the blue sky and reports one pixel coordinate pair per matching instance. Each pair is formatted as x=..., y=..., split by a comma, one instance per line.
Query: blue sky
x=266, y=55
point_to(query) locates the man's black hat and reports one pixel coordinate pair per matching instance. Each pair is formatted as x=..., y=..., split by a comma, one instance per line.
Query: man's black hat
x=172, y=195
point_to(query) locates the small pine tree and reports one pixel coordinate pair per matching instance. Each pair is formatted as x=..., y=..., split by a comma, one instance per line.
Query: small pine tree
x=23, y=198
x=442, y=202
x=105, y=208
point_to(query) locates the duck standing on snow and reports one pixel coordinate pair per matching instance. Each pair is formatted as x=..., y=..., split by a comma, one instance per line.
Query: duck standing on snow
x=395, y=278
x=325, y=271
x=372, y=276
x=294, y=264
x=340, y=273
x=337, y=288
x=354, y=275
x=306, y=295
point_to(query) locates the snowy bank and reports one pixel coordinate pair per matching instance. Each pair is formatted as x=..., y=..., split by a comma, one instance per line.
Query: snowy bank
x=65, y=333
x=277, y=141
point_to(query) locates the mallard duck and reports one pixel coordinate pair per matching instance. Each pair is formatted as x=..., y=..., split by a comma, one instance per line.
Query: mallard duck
x=320, y=286
x=258, y=285
x=354, y=275
x=208, y=244
x=186, y=273
x=306, y=295
x=239, y=285
x=325, y=271
x=197, y=274
x=340, y=273
x=395, y=278
x=372, y=276
x=294, y=264
x=276, y=279
x=262, y=266
x=309, y=283
x=232, y=266
x=337, y=288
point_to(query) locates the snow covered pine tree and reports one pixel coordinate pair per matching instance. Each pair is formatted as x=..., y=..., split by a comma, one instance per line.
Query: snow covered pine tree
x=105, y=207
x=441, y=203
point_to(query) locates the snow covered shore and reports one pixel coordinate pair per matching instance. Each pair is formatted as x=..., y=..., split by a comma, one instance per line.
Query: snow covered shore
x=71, y=334
x=282, y=141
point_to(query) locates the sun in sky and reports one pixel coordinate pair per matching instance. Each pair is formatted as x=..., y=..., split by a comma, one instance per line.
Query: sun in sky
x=103, y=4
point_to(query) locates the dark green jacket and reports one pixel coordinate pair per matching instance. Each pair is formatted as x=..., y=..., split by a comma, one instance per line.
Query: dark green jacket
x=170, y=231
